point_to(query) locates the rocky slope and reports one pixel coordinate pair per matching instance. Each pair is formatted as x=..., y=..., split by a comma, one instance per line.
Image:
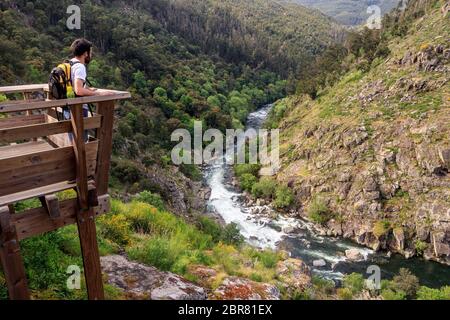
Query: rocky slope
x=141, y=282
x=374, y=150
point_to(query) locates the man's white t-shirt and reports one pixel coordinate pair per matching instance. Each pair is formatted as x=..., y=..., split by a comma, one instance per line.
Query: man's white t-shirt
x=79, y=72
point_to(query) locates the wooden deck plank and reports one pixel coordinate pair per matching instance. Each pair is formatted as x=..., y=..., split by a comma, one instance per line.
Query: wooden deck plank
x=44, y=129
x=17, y=121
x=31, y=171
x=20, y=149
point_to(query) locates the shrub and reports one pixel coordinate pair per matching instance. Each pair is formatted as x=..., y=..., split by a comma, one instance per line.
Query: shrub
x=345, y=294
x=264, y=188
x=153, y=199
x=210, y=227
x=389, y=294
x=405, y=282
x=247, y=181
x=115, y=228
x=283, y=197
x=268, y=258
x=125, y=171
x=381, y=228
x=420, y=246
x=318, y=211
x=157, y=251
x=322, y=285
x=191, y=171
x=241, y=169
x=231, y=235
x=354, y=282
x=425, y=293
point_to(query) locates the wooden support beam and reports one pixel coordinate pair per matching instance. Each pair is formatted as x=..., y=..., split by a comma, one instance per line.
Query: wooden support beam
x=51, y=203
x=86, y=215
x=106, y=110
x=11, y=258
x=92, y=195
x=91, y=257
x=36, y=221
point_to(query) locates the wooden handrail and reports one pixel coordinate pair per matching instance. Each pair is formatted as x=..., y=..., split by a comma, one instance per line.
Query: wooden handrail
x=28, y=88
x=13, y=106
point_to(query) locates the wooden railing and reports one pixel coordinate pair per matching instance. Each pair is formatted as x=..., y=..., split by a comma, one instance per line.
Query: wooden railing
x=42, y=154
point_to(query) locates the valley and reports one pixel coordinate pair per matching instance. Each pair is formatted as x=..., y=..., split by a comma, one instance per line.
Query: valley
x=364, y=147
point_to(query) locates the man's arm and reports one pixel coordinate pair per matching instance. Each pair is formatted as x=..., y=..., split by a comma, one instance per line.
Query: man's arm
x=81, y=91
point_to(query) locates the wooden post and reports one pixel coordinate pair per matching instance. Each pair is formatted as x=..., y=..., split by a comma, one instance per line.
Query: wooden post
x=11, y=258
x=106, y=110
x=86, y=215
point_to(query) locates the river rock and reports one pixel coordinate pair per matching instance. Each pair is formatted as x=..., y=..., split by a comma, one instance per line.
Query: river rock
x=354, y=255
x=235, y=288
x=288, y=229
x=143, y=282
x=319, y=263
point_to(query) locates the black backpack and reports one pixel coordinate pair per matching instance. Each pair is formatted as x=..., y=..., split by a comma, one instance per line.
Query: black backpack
x=60, y=81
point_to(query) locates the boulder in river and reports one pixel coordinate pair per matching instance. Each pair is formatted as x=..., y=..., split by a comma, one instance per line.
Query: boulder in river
x=289, y=229
x=354, y=255
x=319, y=263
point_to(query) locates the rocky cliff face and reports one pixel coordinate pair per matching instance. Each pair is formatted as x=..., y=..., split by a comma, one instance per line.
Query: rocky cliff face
x=375, y=148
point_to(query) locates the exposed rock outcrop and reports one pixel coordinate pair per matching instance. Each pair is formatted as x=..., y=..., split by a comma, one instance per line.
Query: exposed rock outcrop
x=143, y=282
x=235, y=288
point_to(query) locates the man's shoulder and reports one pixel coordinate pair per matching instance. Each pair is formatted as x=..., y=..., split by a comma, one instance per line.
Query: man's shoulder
x=77, y=64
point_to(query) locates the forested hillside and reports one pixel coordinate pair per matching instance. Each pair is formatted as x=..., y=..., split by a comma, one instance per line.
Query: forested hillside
x=349, y=12
x=182, y=60
x=264, y=34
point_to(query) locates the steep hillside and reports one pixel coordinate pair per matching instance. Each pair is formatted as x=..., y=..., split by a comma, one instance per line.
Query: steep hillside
x=369, y=159
x=263, y=33
x=349, y=12
x=172, y=80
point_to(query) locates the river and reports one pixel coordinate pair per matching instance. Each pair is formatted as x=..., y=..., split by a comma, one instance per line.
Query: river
x=265, y=232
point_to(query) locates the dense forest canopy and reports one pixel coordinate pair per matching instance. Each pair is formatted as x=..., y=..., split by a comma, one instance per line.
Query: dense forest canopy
x=349, y=12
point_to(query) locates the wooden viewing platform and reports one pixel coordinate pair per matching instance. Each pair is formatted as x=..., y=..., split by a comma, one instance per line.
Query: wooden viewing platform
x=41, y=155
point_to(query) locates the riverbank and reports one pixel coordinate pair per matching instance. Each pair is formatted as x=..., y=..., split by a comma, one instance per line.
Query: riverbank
x=263, y=226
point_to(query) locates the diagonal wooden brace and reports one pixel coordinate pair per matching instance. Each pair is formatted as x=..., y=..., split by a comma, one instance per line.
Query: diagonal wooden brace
x=51, y=204
x=11, y=258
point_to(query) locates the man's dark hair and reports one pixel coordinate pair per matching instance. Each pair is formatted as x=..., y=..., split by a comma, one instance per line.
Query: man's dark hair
x=80, y=46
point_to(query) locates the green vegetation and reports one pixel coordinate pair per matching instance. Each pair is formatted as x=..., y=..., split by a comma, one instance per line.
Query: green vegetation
x=354, y=282
x=283, y=197
x=420, y=246
x=318, y=211
x=264, y=188
x=381, y=228
x=152, y=199
x=150, y=236
x=247, y=181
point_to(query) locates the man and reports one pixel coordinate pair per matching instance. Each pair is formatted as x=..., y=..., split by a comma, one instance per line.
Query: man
x=82, y=55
